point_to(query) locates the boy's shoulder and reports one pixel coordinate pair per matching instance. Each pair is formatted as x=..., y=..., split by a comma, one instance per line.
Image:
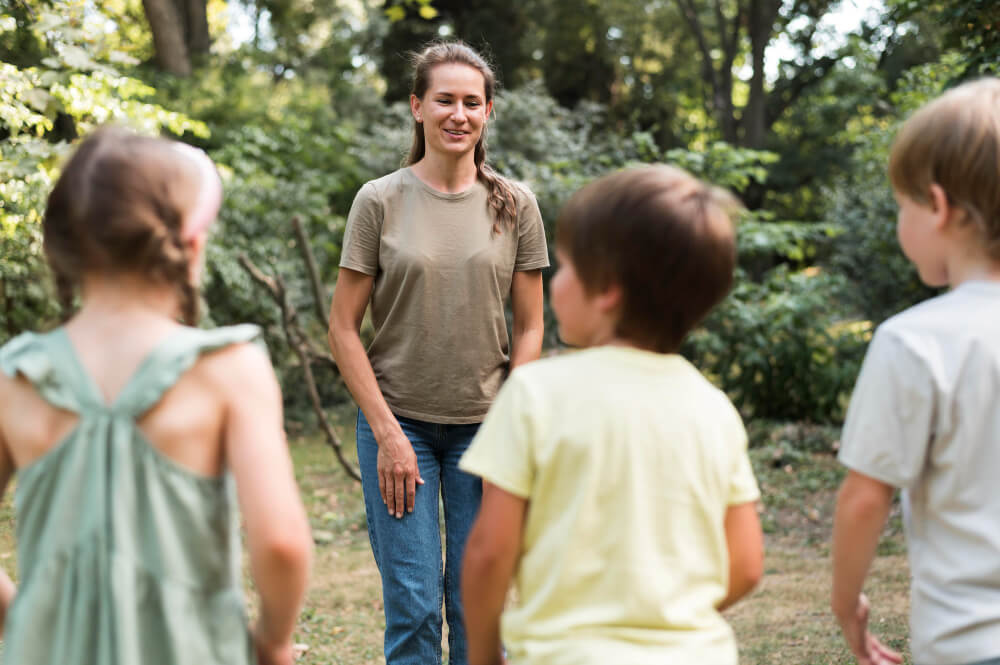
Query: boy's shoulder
x=969, y=310
x=601, y=368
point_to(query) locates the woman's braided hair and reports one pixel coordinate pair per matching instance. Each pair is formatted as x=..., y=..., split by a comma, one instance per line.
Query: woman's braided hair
x=118, y=209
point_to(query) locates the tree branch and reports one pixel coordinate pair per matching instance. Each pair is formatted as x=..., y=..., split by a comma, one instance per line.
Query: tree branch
x=299, y=343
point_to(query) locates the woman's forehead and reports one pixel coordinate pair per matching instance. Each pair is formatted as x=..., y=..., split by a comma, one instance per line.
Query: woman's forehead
x=457, y=79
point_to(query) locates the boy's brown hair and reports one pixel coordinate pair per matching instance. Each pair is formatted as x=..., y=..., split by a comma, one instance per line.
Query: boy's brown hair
x=954, y=141
x=664, y=237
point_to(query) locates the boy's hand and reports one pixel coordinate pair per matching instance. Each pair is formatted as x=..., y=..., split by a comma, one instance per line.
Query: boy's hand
x=865, y=646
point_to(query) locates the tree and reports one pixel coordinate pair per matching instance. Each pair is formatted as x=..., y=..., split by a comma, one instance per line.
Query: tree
x=180, y=31
x=496, y=28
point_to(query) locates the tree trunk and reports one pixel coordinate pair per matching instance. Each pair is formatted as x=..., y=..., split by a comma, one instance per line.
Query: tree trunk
x=168, y=36
x=761, y=22
x=198, y=39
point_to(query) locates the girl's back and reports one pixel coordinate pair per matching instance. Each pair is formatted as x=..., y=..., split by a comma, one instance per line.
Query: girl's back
x=135, y=437
x=127, y=531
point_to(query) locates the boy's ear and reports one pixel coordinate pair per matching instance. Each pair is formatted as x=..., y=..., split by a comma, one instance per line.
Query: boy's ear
x=610, y=298
x=945, y=212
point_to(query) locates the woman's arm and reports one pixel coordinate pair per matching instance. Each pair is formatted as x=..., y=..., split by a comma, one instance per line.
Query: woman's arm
x=490, y=559
x=398, y=474
x=529, y=322
x=745, y=542
x=278, y=537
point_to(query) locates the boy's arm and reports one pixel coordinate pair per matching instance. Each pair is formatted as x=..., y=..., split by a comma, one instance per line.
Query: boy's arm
x=491, y=556
x=862, y=508
x=745, y=542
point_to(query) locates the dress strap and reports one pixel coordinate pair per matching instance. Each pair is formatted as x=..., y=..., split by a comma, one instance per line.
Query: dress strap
x=164, y=366
x=42, y=359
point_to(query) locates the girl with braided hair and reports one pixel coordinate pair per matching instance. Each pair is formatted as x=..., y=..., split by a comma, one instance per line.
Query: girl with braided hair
x=135, y=436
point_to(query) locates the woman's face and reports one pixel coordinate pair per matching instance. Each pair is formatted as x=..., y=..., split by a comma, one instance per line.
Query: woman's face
x=454, y=109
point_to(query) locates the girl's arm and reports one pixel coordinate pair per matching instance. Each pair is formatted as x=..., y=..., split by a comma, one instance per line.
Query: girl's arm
x=529, y=322
x=863, y=505
x=278, y=537
x=491, y=556
x=745, y=542
x=7, y=588
x=398, y=474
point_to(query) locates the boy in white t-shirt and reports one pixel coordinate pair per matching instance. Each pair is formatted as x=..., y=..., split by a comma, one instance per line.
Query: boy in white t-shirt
x=925, y=414
x=618, y=494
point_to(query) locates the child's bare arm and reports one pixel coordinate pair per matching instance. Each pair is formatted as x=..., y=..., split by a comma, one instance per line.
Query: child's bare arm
x=862, y=508
x=278, y=537
x=7, y=588
x=491, y=556
x=745, y=542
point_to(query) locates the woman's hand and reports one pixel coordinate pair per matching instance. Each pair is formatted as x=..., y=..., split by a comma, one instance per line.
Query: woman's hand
x=398, y=474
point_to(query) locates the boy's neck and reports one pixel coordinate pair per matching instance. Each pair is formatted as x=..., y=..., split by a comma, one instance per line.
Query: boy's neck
x=971, y=265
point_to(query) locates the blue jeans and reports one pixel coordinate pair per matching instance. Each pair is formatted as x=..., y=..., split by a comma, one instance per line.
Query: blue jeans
x=408, y=550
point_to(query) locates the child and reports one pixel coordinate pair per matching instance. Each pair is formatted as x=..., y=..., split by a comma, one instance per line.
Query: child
x=618, y=492
x=924, y=415
x=128, y=430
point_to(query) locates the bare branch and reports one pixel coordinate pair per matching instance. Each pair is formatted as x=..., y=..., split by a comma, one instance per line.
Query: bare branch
x=319, y=293
x=299, y=343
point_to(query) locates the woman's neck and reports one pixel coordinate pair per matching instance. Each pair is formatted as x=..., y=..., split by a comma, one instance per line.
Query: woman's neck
x=445, y=173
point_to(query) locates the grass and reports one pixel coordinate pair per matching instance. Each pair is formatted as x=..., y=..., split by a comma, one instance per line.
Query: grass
x=785, y=620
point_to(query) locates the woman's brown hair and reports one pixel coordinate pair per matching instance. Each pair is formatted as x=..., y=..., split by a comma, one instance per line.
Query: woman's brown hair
x=118, y=209
x=500, y=193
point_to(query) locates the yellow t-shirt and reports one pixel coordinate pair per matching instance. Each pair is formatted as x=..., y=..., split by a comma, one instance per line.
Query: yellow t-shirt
x=629, y=460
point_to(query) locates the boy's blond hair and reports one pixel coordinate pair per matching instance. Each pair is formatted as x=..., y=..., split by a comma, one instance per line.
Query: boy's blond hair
x=954, y=141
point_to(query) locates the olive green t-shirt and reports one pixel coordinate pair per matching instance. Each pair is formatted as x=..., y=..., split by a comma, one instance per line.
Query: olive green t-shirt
x=442, y=276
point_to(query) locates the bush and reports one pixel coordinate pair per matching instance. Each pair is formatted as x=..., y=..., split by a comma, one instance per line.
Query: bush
x=779, y=349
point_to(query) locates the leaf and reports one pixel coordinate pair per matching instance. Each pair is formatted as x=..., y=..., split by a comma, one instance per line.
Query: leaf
x=428, y=12
x=77, y=58
x=38, y=99
x=395, y=13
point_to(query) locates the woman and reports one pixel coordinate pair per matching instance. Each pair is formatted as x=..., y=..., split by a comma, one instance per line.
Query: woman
x=437, y=246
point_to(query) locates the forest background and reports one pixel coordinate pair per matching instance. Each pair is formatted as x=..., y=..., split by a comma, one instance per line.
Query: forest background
x=792, y=104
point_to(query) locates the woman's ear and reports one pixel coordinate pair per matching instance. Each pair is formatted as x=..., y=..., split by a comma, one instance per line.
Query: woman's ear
x=415, y=108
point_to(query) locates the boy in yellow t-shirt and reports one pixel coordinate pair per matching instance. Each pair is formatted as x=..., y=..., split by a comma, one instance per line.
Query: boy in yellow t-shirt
x=618, y=493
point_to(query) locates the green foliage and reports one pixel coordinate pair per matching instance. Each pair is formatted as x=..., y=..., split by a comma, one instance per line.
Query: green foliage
x=65, y=84
x=779, y=349
x=881, y=281
x=971, y=27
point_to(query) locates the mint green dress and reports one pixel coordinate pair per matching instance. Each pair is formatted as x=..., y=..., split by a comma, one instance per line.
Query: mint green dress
x=125, y=558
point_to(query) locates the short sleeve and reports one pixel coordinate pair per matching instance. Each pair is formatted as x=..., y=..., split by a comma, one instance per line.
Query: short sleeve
x=532, y=252
x=742, y=483
x=502, y=453
x=890, y=419
x=363, y=232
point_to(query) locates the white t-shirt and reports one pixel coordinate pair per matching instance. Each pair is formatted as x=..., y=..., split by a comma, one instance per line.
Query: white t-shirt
x=925, y=416
x=629, y=460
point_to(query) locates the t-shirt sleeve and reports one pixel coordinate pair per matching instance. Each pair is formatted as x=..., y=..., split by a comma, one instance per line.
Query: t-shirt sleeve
x=742, y=483
x=890, y=418
x=502, y=452
x=532, y=252
x=363, y=232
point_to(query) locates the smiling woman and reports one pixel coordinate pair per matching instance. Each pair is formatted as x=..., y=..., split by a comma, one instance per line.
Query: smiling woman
x=437, y=247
